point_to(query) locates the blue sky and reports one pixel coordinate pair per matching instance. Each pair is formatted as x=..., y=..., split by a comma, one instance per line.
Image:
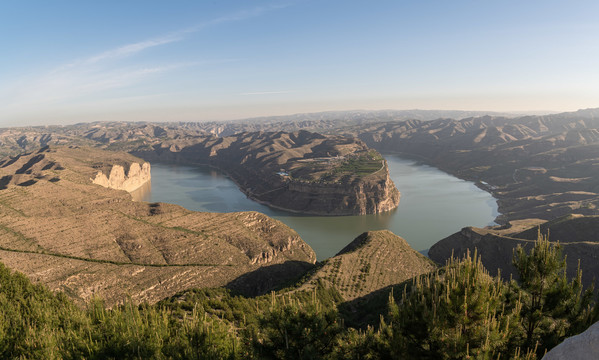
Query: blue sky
x=75, y=61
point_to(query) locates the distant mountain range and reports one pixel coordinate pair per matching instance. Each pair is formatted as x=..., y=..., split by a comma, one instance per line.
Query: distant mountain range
x=540, y=166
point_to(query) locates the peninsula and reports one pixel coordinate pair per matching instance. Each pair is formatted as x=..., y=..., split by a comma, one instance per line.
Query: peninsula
x=302, y=171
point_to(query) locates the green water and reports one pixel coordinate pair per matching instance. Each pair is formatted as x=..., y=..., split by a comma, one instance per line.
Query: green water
x=433, y=205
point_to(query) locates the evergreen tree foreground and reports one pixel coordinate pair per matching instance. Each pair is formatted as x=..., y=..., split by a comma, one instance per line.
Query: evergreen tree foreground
x=456, y=312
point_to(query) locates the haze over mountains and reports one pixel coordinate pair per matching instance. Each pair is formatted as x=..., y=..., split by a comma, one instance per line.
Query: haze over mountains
x=65, y=223
x=536, y=166
x=22, y=138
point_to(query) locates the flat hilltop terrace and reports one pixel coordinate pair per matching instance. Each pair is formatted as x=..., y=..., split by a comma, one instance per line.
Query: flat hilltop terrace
x=335, y=169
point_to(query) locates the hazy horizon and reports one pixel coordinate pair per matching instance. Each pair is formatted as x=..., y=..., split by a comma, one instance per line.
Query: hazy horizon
x=72, y=62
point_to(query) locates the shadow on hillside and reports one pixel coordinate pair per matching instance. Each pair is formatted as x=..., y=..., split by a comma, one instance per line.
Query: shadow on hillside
x=268, y=278
x=367, y=310
x=5, y=181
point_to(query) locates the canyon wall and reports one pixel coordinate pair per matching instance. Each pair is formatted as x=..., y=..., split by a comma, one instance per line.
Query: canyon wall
x=370, y=196
x=137, y=176
x=265, y=167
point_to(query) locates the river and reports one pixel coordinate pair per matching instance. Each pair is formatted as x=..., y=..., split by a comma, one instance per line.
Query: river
x=433, y=205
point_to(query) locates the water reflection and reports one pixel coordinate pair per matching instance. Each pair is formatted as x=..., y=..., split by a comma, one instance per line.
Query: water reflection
x=143, y=193
x=433, y=205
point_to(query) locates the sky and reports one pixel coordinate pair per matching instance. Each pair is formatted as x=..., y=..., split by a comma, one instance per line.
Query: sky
x=78, y=61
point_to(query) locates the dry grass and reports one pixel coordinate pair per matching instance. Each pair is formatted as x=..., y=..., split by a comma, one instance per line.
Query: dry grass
x=372, y=261
x=85, y=239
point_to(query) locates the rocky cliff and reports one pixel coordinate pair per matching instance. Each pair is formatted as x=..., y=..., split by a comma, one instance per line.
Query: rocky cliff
x=583, y=346
x=61, y=230
x=302, y=172
x=136, y=177
x=357, y=197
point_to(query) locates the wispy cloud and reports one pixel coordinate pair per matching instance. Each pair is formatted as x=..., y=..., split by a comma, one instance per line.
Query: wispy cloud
x=237, y=16
x=115, y=68
x=266, y=92
x=175, y=36
x=80, y=81
x=131, y=49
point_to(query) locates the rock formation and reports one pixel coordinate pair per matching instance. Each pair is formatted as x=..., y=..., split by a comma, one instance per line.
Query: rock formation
x=579, y=347
x=61, y=230
x=135, y=178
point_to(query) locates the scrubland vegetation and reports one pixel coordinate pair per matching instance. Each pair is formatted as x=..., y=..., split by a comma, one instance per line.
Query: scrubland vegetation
x=456, y=312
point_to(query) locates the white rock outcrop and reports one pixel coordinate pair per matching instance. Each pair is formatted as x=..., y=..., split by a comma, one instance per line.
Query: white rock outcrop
x=579, y=347
x=117, y=179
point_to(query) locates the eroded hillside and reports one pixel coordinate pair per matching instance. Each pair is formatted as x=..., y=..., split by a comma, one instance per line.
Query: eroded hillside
x=60, y=229
x=301, y=171
x=536, y=166
x=372, y=261
x=576, y=235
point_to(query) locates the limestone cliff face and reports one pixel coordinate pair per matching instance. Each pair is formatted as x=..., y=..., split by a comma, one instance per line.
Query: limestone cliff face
x=137, y=176
x=294, y=171
x=358, y=198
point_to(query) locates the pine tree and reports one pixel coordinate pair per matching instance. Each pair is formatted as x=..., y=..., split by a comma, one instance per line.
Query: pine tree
x=552, y=307
x=453, y=314
x=295, y=330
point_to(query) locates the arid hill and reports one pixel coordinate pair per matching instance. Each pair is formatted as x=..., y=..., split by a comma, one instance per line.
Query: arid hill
x=120, y=134
x=536, y=166
x=62, y=230
x=576, y=234
x=106, y=135
x=302, y=171
x=373, y=261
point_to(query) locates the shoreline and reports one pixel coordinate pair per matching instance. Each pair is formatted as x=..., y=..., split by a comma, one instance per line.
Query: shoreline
x=266, y=203
x=500, y=219
x=328, y=234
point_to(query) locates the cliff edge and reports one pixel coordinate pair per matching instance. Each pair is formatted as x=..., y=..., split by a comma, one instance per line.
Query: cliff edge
x=117, y=179
x=60, y=229
x=301, y=172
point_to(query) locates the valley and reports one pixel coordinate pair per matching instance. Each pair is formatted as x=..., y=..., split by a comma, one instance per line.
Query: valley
x=427, y=193
x=67, y=218
x=88, y=240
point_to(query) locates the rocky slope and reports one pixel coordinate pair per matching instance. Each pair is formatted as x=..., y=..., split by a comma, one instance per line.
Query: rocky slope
x=536, y=166
x=60, y=229
x=371, y=262
x=302, y=171
x=576, y=234
x=579, y=347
